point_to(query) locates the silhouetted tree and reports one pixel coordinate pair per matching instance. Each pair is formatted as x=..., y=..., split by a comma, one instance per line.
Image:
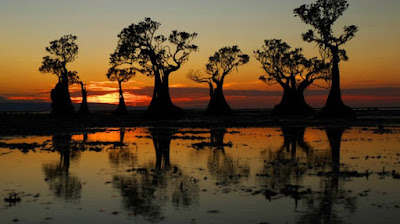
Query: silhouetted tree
x=322, y=15
x=292, y=71
x=74, y=79
x=139, y=49
x=219, y=65
x=84, y=109
x=120, y=75
x=62, y=52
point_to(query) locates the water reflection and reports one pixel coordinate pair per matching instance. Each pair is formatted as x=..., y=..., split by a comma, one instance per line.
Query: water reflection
x=285, y=167
x=225, y=169
x=162, y=141
x=57, y=174
x=146, y=190
x=155, y=174
x=334, y=135
x=120, y=154
x=329, y=203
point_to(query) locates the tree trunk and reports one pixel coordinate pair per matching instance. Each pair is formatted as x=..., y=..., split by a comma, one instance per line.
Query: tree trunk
x=61, y=100
x=161, y=103
x=211, y=91
x=218, y=104
x=156, y=92
x=292, y=103
x=84, y=106
x=121, y=109
x=334, y=106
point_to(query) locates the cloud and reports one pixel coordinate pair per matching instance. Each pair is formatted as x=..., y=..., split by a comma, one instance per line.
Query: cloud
x=391, y=91
x=28, y=98
x=177, y=86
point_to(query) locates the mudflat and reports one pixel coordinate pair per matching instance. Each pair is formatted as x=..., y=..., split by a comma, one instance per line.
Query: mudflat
x=24, y=123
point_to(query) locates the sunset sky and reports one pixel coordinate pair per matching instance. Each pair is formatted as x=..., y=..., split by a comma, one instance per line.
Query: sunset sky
x=370, y=78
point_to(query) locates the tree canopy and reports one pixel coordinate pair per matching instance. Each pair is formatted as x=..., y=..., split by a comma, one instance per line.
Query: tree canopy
x=120, y=75
x=288, y=67
x=141, y=50
x=322, y=15
x=73, y=78
x=221, y=64
x=61, y=51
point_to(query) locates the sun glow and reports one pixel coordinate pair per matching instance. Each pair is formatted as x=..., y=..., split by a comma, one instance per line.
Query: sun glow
x=113, y=98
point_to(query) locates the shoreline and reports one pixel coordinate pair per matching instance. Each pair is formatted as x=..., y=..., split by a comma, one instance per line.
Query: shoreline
x=26, y=123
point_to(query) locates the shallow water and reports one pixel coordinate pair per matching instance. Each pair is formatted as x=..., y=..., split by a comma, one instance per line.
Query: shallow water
x=241, y=175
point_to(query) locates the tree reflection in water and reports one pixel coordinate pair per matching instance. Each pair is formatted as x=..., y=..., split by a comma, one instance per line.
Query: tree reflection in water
x=148, y=189
x=57, y=175
x=325, y=205
x=284, y=168
x=221, y=165
x=120, y=154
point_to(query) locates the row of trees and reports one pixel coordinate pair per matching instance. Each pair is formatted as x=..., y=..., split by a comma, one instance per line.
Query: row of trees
x=141, y=50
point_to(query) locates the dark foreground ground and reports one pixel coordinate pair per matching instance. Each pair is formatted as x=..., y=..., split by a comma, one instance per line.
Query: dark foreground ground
x=34, y=123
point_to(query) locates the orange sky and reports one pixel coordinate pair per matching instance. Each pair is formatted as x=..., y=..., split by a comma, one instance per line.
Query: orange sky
x=28, y=26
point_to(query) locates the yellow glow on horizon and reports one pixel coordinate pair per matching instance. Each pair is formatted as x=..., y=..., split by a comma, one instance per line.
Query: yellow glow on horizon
x=113, y=98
